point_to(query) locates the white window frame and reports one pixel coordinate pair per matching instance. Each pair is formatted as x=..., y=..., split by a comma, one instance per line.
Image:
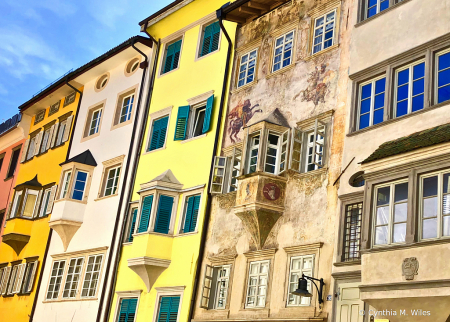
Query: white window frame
x=436, y=87
x=234, y=170
x=246, y=64
x=278, y=152
x=65, y=187
x=61, y=276
x=410, y=88
x=283, y=44
x=315, y=157
x=168, y=291
x=218, y=281
x=16, y=203
x=308, y=272
x=116, y=179
x=97, y=121
x=74, y=286
x=372, y=100
x=130, y=112
x=391, y=205
x=99, y=271
x=252, y=147
x=258, y=275
x=323, y=26
x=193, y=121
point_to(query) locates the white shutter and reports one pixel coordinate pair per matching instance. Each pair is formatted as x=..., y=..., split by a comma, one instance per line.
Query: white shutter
x=295, y=155
x=38, y=143
x=19, y=277
x=12, y=279
x=24, y=202
x=284, y=156
x=51, y=200
x=50, y=137
x=9, y=213
x=319, y=144
x=36, y=205
x=67, y=129
x=207, y=285
x=219, y=175
x=55, y=134
x=33, y=274
x=234, y=169
x=24, y=151
x=4, y=281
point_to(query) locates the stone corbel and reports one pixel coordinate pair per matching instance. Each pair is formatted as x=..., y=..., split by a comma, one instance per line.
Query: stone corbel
x=148, y=268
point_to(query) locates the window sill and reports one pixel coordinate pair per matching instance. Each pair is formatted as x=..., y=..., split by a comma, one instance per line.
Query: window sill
x=155, y=150
x=119, y=125
x=207, y=55
x=424, y=243
x=312, y=56
x=9, y=178
x=57, y=146
x=153, y=233
x=280, y=71
x=106, y=197
x=90, y=137
x=244, y=87
x=73, y=200
x=127, y=243
x=170, y=72
x=71, y=300
x=186, y=234
x=309, y=173
x=363, y=22
x=348, y=263
x=194, y=138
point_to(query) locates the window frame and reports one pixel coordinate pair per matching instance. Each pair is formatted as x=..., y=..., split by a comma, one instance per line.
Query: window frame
x=272, y=63
x=372, y=101
x=27, y=289
x=247, y=288
x=66, y=275
x=31, y=147
x=344, y=229
x=129, y=237
x=126, y=296
x=97, y=121
x=247, y=63
x=58, y=292
x=28, y=192
x=436, y=55
x=378, y=7
x=74, y=182
x=16, y=205
x=195, y=111
x=151, y=132
x=168, y=292
x=197, y=192
x=60, y=132
x=300, y=271
x=44, y=143
x=164, y=55
x=116, y=180
x=335, y=30
x=250, y=148
x=65, y=184
x=201, y=38
x=92, y=272
x=17, y=149
x=129, y=114
x=154, y=117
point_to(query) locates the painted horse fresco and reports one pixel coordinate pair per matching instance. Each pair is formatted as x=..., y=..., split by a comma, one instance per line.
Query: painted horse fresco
x=239, y=117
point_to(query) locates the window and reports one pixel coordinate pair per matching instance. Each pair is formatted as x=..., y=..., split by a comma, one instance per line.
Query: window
x=235, y=169
x=54, y=108
x=220, y=164
x=30, y=201
x=390, y=213
x=283, y=51
x=2, y=276
x=146, y=209
x=299, y=265
x=191, y=214
x=443, y=76
x=91, y=276
x=409, y=89
x=12, y=279
x=435, y=205
x=168, y=308
x=96, y=117
x=127, y=106
x=2, y=158
x=199, y=118
x=158, y=135
x=226, y=171
x=247, y=68
x=253, y=153
x=31, y=147
x=65, y=184
x=258, y=276
x=60, y=134
x=5, y=278
x=172, y=57
x=324, y=31
x=215, y=287
x=45, y=202
x=163, y=215
x=102, y=81
x=132, y=66
x=45, y=137
x=79, y=185
x=112, y=181
x=127, y=310
x=69, y=99
x=371, y=102
x=39, y=117
x=73, y=277
x=16, y=203
x=55, y=279
x=315, y=150
x=13, y=162
x=211, y=37
x=375, y=6
x=30, y=274
x=132, y=225
x=272, y=153
x=352, y=231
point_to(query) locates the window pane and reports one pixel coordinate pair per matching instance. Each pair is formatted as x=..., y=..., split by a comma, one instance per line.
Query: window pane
x=402, y=108
x=444, y=61
x=429, y=229
x=444, y=94
x=381, y=235
x=378, y=116
x=430, y=186
x=366, y=91
x=418, y=86
x=401, y=192
x=403, y=77
x=402, y=92
x=430, y=206
x=382, y=215
x=444, y=77
x=380, y=86
x=364, y=121
x=446, y=183
x=379, y=101
x=383, y=196
x=365, y=106
x=419, y=71
x=399, y=233
x=400, y=212
x=417, y=103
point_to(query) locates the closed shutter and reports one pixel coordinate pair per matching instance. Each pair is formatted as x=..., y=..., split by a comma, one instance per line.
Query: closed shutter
x=211, y=39
x=24, y=151
x=182, y=122
x=158, y=133
x=172, y=56
x=191, y=214
x=38, y=143
x=50, y=137
x=168, y=308
x=163, y=215
x=67, y=129
x=9, y=210
x=127, y=310
x=32, y=277
x=36, y=206
x=132, y=226
x=5, y=279
x=208, y=114
x=145, y=214
x=19, y=279
x=51, y=200
x=55, y=134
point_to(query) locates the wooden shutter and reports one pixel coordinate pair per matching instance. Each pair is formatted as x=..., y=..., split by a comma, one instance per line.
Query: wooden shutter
x=12, y=279
x=191, y=214
x=32, y=277
x=38, y=143
x=163, y=215
x=295, y=155
x=219, y=175
x=37, y=204
x=319, y=129
x=172, y=56
x=24, y=151
x=55, y=134
x=5, y=279
x=67, y=129
x=132, y=225
x=168, y=308
x=158, y=134
x=19, y=277
x=207, y=285
x=208, y=114
x=176, y=54
x=145, y=214
x=207, y=40
x=182, y=123
x=127, y=310
x=51, y=200
x=9, y=212
x=215, y=36
x=50, y=137
x=284, y=153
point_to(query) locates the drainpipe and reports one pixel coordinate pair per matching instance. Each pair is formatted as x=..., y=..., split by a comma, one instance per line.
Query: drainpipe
x=130, y=189
x=49, y=238
x=201, y=253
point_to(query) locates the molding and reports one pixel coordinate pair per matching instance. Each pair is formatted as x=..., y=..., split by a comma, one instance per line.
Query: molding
x=223, y=258
x=280, y=71
x=163, y=112
x=322, y=9
x=199, y=98
x=426, y=243
x=249, y=46
x=293, y=25
x=114, y=161
x=229, y=149
x=352, y=196
x=169, y=189
x=349, y=263
x=171, y=288
x=309, y=123
x=347, y=275
x=194, y=138
x=405, y=286
x=179, y=33
x=129, y=293
x=323, y=51
x=80, y=252
x=261, y=253
x=303, y=248
x=165, y=14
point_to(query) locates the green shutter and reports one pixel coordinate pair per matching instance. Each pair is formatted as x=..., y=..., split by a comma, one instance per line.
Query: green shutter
x=172, y=56
x=215, y=37
x=168, y=308
x=208, y=114
x=127, y=310
x=211, y=38
x=145, y=214
x=158, y=134
x=163, y=214
x=191, y=214
x=182, y=123
x=132, y=226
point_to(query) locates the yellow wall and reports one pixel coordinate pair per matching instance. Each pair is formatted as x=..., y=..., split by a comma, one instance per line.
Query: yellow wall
x=46, y=166
x=189, y=161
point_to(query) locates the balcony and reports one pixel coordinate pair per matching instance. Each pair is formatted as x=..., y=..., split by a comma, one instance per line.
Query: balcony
x=17, y=233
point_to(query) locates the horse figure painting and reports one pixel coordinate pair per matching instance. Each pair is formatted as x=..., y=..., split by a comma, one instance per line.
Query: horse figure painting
x=239, y=117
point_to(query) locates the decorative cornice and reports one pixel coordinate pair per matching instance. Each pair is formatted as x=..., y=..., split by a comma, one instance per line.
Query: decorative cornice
x=248, y=46
x=171, y=288
x=131, y=293
x=309, y=123
x=347, y=275
x=261, y=253
x=200, y=98
x=80, y=252
x=303, y=248
x=324, y=8
x=222, y=258
x=352, y=196
x=148, y=261
x=113, y=161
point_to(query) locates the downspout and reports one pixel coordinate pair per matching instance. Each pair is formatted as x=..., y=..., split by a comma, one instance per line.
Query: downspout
x=49, y=238
x=122, y=193
x=130, y=189
x=201, y=253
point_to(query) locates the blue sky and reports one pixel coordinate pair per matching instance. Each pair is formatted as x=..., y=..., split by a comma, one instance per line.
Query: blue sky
x=40, y=40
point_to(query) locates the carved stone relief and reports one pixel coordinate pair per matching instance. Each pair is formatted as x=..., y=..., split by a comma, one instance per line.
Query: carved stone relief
x=410, y=268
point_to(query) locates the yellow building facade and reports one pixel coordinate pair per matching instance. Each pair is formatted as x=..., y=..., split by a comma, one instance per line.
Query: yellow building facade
x=27, y=232
x=162, y=237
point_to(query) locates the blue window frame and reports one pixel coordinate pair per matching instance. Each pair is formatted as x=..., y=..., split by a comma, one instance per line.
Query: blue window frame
x=79, y=185
x=168, y=308
x=283, y=51
x=324, y=30
x=376, y=6
x=132, y=225
x=127, y=310
x=158, y=136
x=443, y=76
x=247, y=68
x=164, y=214
x=371, y=102
x=172, y=58
x=191, y=214
x=409, y=89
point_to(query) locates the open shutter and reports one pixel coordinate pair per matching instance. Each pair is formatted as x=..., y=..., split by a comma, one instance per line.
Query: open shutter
x=38, y=143
x=319, y=143
x=158, y=134
x=182, y=123
x=284, y=152
x=36, y=206
x=208, y=114
x=19, y=278
x=145, y=214
x=5, y=279
x=163, y=214
x=169, y=59
x=32, y=276
x=295, y=157
x=234, y=169
x=24, y=151
x=219, y=175
x=55, y=134
x=9, y=211
x=67, y=129
x=132, y=225
x=195, y=212
x=207, y=285
x=176, y=54
x=207, y=40
x=215, y=36
x=51, y=200
x=50, y=137
x=12, y=279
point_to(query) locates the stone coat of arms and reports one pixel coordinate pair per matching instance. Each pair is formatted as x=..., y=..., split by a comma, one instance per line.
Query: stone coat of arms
x=410, y=268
